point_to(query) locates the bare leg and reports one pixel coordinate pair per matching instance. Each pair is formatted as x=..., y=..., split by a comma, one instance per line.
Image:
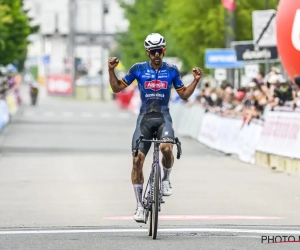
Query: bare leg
x=137, y=178
x=167, y=159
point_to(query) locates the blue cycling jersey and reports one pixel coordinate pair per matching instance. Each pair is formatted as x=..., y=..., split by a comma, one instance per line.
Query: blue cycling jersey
x=155, y=86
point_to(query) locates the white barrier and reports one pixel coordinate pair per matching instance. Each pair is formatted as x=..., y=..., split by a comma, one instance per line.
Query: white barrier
x=281, y=134
x=8, y=107
x=186, y=119
x=248, y=140
x=273, y=142
x=177, y=110
x=226, y=134
x=4, y=113
x=194, y=119
x=278, y=135
x=186, y=115
x=221, y=133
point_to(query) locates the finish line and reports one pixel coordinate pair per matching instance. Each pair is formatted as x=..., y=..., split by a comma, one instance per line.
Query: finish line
x=163, y=230
x=200, y=217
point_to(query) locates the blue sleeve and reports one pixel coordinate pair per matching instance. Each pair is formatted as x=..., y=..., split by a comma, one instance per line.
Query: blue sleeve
x=130, y=77
x=177, y=83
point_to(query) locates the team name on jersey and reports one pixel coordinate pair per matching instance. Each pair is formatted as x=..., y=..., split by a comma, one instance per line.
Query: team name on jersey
x=156, y=85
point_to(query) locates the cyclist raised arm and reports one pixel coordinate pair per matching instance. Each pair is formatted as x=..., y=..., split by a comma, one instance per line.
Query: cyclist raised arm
x=155, y=79
x=189, y=90
x=115, y=83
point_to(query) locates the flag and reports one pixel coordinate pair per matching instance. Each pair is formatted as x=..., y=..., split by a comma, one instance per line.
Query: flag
x=229, y=4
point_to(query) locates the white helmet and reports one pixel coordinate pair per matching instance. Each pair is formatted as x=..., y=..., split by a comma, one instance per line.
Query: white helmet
x=154, y=40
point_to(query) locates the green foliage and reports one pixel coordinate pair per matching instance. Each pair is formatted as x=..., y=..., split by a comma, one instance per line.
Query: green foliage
x=5, y=18
x=143, y=16
x=14, y=30
x=189, y=27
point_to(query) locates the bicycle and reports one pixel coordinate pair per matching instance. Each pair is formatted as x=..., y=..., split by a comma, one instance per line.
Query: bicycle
x=152, y=197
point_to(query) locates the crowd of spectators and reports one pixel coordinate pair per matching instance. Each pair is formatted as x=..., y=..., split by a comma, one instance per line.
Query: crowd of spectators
x=271, y=91
x=9, y=83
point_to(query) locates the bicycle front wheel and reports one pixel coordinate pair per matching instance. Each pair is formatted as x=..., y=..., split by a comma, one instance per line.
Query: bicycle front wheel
x=150, y=224
x=156, y=200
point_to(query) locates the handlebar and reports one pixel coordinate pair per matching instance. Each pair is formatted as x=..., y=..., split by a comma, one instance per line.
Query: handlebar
x=141, y=139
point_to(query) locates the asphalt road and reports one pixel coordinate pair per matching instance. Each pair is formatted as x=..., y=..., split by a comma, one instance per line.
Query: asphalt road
x=65, y=184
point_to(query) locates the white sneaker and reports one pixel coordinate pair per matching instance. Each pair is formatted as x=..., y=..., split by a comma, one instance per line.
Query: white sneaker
x=139, y=215
x=166, y=188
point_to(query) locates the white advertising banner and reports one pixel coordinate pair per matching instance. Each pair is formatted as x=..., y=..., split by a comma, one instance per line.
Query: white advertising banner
x=220, y=133
x=208, y=134
x=4, y=113
x=280, y=134
x=229, y=135
x=248, y=139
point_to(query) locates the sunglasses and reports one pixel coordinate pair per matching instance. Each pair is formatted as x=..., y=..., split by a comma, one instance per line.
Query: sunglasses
x=154, y=51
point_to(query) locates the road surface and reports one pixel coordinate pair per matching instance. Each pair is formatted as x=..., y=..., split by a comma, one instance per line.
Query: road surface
x=65, y=184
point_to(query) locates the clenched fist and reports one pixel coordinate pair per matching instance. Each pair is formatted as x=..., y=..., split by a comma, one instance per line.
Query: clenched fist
x=197, y=73
x=113, y=62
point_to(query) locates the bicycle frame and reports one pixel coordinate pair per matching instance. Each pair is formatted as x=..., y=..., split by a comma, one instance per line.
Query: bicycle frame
x=152, y=197
x=148, y=196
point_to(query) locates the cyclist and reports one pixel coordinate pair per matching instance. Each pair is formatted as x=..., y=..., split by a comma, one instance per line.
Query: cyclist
x=155, y=79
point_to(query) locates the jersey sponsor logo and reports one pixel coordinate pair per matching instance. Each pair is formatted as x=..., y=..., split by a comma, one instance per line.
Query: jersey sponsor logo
x=163, y=76
x=156, y=85
x=155, y=95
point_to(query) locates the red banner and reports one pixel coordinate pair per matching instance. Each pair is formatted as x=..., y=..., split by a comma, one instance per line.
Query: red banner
x=60, y=85
x=229, y=4
x=288, y=35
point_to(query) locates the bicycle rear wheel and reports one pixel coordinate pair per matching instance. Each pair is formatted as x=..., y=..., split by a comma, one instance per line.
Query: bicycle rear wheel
x=156, y=200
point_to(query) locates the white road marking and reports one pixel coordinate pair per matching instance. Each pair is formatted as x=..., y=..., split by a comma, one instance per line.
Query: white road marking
x=105, y=115
x=49, y=114
x=163, y=230
x=86, y=115
x=124, y=115
x=29, y=113
x=68, y=114
x=201, y=217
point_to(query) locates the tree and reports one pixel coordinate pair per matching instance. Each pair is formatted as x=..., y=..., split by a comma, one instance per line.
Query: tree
x=189, y=28
x=5, y=18
x=197, y=26
x=15, y=42
x=143, y=17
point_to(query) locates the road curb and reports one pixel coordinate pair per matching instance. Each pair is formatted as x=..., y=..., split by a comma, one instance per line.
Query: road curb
x=278, y=163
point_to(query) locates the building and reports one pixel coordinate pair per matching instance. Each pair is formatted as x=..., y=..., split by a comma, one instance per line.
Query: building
x=49, y=49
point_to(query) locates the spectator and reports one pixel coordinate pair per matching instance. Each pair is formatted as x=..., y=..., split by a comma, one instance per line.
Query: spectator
x=225, y=84
x=239, y=101
x=269, y=92
x=227, y=100
x=206, y=95
x=259, y=103
x=260, y=78
x=283, y=93
x=297, y=83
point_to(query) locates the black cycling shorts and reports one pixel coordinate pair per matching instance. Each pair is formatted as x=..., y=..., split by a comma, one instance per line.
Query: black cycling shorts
x=150, y=123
